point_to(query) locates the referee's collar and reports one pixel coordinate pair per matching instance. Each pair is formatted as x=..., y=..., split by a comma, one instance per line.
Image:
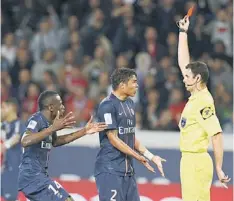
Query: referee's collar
x=194, y=96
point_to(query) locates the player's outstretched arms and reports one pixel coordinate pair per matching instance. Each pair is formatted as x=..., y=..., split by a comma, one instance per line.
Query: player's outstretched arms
x=217, y=141
x=30, y=138
x=123, y=147
x=90, y=128
x=183, y=50
x=157, y=160
x=14, y=140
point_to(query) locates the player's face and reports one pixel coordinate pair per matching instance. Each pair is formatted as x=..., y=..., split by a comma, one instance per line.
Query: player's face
x=130, y=88
x=6, y=109
x=58, y=106
x=190, y=80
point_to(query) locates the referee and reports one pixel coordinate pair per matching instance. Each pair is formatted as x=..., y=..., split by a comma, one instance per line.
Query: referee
x=197, y=124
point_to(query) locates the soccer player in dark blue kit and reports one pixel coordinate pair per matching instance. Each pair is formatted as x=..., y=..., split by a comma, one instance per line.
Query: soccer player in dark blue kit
x=11, y=149
x=114, y=170
x=38, y=139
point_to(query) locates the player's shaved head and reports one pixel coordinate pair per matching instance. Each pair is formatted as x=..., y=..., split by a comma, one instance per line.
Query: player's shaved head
x=199, y=68
x=46, y=98
x=121, y=75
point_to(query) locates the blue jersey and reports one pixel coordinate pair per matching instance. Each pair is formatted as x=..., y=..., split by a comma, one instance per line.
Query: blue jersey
x=13, y=155
x=120, y=116
x=35, y=157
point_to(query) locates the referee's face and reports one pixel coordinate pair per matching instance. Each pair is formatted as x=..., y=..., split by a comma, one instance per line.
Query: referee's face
x=190, y=80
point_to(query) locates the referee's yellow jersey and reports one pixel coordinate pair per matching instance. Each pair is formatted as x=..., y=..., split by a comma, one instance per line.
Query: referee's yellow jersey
x=197, y=124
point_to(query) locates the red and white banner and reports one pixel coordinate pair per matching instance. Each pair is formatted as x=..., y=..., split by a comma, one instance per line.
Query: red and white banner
x=86, y=191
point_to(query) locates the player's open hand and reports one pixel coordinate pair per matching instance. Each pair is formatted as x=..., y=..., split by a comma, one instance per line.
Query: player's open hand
x=93, y=127
x=184, y=23
x=158, y=161
x=145, y=162
x=65, y=122
x=224, y=179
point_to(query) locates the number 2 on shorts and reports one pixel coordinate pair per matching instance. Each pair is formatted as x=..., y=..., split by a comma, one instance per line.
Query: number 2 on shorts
x=113, y=198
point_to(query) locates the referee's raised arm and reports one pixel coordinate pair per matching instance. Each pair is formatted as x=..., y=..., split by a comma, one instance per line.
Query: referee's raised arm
x=183, y=50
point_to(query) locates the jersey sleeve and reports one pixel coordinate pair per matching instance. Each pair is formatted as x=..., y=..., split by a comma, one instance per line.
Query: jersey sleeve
x=106, y=113
x=33, y=125
x=206, y=117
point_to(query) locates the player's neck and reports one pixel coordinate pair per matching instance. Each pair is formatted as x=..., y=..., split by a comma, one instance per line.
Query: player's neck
x=198, y=89
x=47, y=115
x=119, y=95
x=11, y=117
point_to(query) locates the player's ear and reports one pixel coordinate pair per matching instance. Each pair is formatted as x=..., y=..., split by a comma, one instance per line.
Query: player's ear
x=198, y=78
x=51, y=108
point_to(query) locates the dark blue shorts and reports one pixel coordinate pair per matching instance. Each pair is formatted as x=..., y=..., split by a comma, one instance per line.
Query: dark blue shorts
x=45, y=189
x=9, y=184
x=117, y=188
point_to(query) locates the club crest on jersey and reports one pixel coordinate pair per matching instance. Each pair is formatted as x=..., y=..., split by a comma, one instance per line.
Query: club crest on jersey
x=206, y=112
x=183, y=122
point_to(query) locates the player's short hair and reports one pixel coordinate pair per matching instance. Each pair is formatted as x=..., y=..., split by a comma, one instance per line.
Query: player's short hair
x=201, y=68
x=121, y=75
x=13, y=101
x=44, y=98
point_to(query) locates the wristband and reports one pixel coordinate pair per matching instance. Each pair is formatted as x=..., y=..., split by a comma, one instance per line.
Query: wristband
x=182, y=30
x=148, y=155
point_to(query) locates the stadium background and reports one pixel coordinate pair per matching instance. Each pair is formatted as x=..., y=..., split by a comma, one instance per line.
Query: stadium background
x=72, y=46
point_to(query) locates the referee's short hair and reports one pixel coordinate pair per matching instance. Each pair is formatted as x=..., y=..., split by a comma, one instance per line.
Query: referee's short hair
x=45, y=99
x=199, y=68
x=121, y=75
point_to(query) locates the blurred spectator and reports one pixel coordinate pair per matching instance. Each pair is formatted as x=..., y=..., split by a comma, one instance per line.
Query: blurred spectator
x=221, y=29
x=65, y=32
x=49, y=62
x=220, y=73
x=65, y=71
x=50, y=81
x=93, y=69
x=47, y=36
x=153, y=110
x=224, y=104
x=24, y=81
x=8, y=49
x=151, y=45
x=77, y=48
x=23, y=61
x=165, y=121
x=90, y=33
x=80, y=104
x=176, y=104
x=30, y=101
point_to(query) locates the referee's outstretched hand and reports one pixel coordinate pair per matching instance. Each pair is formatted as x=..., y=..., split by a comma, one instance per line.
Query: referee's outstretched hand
x=224, y=179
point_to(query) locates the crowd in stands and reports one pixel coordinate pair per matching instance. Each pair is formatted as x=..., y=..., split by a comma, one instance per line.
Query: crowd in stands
x=72, y=46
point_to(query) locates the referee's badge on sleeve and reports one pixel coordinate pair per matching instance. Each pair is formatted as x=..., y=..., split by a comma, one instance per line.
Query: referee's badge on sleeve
x=108, y=118
x=183, y=122
x=206, y=112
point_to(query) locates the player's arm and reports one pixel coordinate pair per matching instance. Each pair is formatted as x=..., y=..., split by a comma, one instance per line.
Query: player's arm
x=121, y=146
x=32, y=134
x=208, y=120
x=157, y=160
x=14, y=140
x=90, y=128
x=183, y=50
